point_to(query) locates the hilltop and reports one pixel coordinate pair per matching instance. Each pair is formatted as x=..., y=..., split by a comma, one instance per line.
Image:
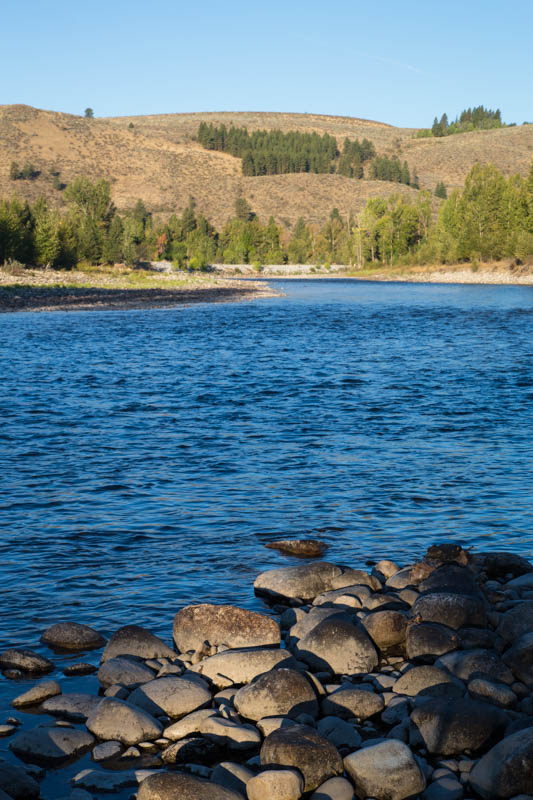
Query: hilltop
x=156, y=159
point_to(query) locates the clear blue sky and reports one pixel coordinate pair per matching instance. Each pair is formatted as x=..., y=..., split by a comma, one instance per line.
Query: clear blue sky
x=397, y=61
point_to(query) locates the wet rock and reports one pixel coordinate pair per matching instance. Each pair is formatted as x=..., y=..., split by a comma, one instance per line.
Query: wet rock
x=401, y=579
x=520, y=659
x=385, y=569
x=136, y=641
x=197, y=750
x=95, y=780
x=355, y=577
x=465, y=664
x=339, y=647
x=345, y=737
x=450, y=578
x=477, y=639
x=81, y=668
x=232, y=776
x=507, y=769
x=106, y=751
x=497, y=693
x=224, y=624
x=37, y=694
x=172, y=696
x=302, y=747
x=446, y=787
x=428, y=681
x=240, y=666
x=124, y=671
x=301, y=548
x=385, y=771
x=500, y=564
x=450, y=727
x=51, y=746
x=430, y=639
x=72, y=636
x=7, y=730
x=25, y=661
x=303, y=582
x=516, y=622
x=347, y=596
x=310, y=620
x=73, y=707
x=117, y=720
x=283, y=692
x=171, y=785
x=523, y=582
x=349, y=701
x=276, y=784
x=16, y=783
x=334, y=789
x=386, y=628
x=448, y=608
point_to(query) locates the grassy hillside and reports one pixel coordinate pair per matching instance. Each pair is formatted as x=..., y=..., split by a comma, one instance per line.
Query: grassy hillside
x=158, y=160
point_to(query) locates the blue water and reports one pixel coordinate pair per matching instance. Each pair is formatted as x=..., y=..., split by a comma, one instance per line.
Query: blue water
x=147, y=456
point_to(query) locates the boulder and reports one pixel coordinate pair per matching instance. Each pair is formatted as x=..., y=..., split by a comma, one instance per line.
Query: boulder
x=428, y=681
x=301, y=548
x=96, y=780
x=303, y=582
x=117, y=720
x=232, y=776
x=281, y=692
x=302, y=747
x=37, y=694
x=448, y=608
x=355, y=577
x=334, y=789
x=516, y=622
x=401, y=579
x=224, y=732
x=276, y=784
x=450, y=578
x=337, y=646
x=75, y=707
x=308, y=621
x=51, y=746
x=349, y=701
x=195, y=750
x=449, y=727
x=136, y=641
x=240, y=666
x=106, y=751
x=497, y=693
x=125, y=671
x=465, y=664
x=386, y=628
x=385, y=569
x=520, y=659
x=17, y=782
x=72, y=636
x=385, y=771
x=500, y=564
x=507, y=769
x=523, y=582
x=25, y=661
x=345, y=737
x=228, y=625
x=172, y=696
x=429, y=639
x=172, y=785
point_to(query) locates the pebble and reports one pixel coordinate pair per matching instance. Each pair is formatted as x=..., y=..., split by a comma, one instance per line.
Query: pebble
x=37, y=694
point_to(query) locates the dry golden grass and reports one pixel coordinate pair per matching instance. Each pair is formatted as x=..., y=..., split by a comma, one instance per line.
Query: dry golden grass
x=159, y=162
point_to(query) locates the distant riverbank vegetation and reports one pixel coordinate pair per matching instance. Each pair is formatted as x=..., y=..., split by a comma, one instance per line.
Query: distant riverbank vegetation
x=491, y=218
x=471, y=119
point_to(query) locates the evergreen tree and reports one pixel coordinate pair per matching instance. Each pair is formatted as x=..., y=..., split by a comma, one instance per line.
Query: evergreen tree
x=440, y=190
x=46, y=237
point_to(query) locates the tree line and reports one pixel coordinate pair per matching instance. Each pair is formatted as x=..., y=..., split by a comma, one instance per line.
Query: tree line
x=489, y=219
x=278, y=153
x=471, y=119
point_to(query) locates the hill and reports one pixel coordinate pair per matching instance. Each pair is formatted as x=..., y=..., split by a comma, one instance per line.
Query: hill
x=156, y=159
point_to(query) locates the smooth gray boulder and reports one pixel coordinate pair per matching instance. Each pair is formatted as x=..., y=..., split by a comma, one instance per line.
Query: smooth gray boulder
x=72, y=636
x=194, y=750
x=37, y=694
x=224, y=732
x=310, y=620
x=355, y=577
x=304, y=582
x=401, y=579
x=25, y=661
x=520, y=659
x=119, y=721
x=429, y=639
x=126, y=671
x=450, y=578
x=75, y=707
x=240, y=666
x=51, y=746
x=507, y=769
x=498, y=693
x=136, y=641
x=228, y=625
x=523, y=582
x=349, y=701
x=445, y=787
x=498, y=564
x=448, y=608
x=385, y=771
x=172, y=696
x=173, y=785
x=337, y=646
x=334, y=789
x=281, y=692
x=465, y=664
x=516, y=622
x=17, y=782
x=232, y=776
x=428, y=681
x=343, y=736
x=386, y=628
x=106, y=751
x=449, y=727
x=302, y=747
x=276, y=784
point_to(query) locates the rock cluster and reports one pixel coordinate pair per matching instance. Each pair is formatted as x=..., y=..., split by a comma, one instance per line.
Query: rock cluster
x=402, y=683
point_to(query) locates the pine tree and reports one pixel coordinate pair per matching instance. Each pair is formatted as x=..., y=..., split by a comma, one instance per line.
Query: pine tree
x=440, y=190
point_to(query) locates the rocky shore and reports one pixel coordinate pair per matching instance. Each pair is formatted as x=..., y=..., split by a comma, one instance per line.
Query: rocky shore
x=401, y=682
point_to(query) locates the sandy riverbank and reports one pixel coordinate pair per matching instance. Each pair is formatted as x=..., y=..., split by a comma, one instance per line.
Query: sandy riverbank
x=112, y=288
x=490, y=273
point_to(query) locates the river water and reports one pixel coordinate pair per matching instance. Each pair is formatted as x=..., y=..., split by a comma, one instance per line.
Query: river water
x=146, y=457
